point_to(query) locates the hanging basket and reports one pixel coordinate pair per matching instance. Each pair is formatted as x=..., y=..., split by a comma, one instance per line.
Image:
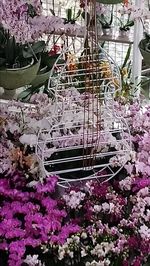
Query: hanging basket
x=110, y=2
x=144, y=53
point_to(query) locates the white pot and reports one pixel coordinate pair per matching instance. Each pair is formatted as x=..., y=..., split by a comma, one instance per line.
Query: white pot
x=107, y=31
x=123, y=33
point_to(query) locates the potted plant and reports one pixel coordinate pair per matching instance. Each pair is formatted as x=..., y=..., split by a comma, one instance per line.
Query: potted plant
x=125, y=27
x=126, y=21
x=105, y=21
x=22, y=25
x=19, y=63
x=40, y=82
x=71, y=16
x=144, y=47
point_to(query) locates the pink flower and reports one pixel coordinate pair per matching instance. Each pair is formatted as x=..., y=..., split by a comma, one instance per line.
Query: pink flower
x=125, y=263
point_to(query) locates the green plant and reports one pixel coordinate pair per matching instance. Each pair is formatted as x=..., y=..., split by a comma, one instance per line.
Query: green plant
x=125, y=74
x=105, y=21
x=40, y=83
x=17, y=55
x=126, y=26
x=71, y=15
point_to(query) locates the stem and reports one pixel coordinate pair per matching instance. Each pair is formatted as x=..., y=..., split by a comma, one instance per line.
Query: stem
x=33, y=52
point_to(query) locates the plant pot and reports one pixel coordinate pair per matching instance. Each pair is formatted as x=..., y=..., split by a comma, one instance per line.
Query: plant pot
x=41, y=78
x=144, y=53
x=110, y=2
x=107, y=31
x=123, y=33
x=11, y=79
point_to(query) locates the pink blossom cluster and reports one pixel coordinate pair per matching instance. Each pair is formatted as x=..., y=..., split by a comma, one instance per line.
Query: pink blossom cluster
x=134, y=11
x=29, y=218
x=25, y=21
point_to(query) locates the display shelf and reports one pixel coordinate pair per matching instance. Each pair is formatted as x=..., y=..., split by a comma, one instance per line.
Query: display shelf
x=114, y=37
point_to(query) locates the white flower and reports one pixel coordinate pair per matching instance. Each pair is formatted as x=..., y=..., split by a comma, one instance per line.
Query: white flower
x=126, y=183
x=74, y=198
x=112, y=207
x=107, y=262
x=105, y=206
x=33, y=260
x=144, y=232
x=76, y=239
x=143, y=192
x=70, y=253
x=29, y=139
x=84, y=235
x=88, y=264
x=61, y=255
x=97, y=208
x=61, y=252
x=83, y=253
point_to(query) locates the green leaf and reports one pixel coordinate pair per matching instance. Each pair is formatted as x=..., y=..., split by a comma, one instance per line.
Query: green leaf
x=69, y=14
x=49, y=60
x=31, y=11
x=88, y=17
x=52, y=11
x=78, y=14
x=145, y=81
x=25, y=93
x=127, y=56
x=35, y=48
x=130, y=24
x=10, y=52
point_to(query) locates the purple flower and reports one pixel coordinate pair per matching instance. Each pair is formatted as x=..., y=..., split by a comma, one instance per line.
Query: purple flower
x=133, y=242
x=125, y=263
x=49, y=186
x=140, y=183
x=65, y=233
x=100, y=190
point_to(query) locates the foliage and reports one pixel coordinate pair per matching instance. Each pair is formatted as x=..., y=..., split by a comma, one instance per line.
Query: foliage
x=104, y=19
x=16, y=55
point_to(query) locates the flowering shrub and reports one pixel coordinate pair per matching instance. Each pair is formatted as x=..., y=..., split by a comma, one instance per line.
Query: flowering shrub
x=114, y=221
x=26, y=22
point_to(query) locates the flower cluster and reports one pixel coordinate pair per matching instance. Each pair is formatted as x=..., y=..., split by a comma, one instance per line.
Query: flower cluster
x=29, y=217
x=135, y=12
x=97, y=224
x=26, y=22
x=114, y=225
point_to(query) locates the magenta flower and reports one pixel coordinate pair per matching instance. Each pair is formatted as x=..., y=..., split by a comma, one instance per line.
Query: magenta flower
x=140, y=183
